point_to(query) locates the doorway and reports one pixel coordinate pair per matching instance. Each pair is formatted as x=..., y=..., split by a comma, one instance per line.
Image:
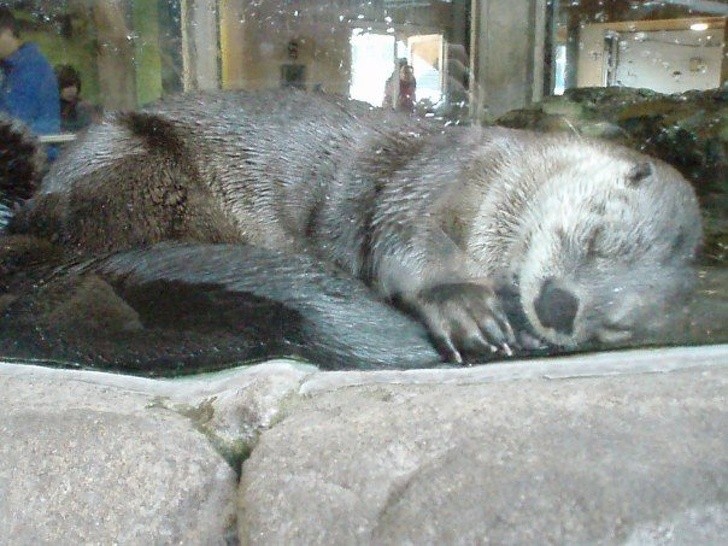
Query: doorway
x=374, y=57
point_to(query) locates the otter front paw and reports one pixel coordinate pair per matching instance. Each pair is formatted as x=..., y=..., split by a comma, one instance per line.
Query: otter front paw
x=464, y=317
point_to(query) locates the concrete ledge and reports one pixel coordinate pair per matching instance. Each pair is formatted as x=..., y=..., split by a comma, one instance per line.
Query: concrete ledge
x=639, y=361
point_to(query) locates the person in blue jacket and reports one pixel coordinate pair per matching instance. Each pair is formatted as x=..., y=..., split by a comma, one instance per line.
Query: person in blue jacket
x=29, y=89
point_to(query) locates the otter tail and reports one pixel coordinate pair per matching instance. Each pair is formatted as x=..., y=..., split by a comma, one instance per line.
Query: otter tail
x=193, y=307
x=21, y=166
x=296, y=306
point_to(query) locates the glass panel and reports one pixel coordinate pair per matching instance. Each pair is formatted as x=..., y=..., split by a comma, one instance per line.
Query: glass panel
x=648, y=76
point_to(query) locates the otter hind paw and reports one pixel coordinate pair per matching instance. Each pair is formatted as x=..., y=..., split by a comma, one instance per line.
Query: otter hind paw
x=464, y=318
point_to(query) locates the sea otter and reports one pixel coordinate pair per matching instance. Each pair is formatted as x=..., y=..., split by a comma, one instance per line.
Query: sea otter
x=465, y=229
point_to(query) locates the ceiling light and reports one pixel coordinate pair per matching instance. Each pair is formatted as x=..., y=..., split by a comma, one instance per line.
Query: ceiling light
x=699, y=26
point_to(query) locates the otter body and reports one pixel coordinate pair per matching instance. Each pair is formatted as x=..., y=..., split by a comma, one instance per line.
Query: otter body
x=591, y=241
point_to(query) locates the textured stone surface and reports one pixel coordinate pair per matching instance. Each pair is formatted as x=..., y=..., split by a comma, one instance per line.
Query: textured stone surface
x=613, y=448
x=88, y=457
x=608, y=459
x=74, y=476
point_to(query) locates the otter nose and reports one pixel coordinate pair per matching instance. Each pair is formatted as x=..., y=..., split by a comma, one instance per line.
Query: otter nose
x=556, y=308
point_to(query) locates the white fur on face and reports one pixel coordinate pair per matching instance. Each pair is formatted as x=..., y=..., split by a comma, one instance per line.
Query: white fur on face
x=622, y=248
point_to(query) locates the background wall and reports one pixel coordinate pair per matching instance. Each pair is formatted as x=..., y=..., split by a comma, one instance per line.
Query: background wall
x=670, y=61
x=254, y=37
x=655, y=54
x=254, y=44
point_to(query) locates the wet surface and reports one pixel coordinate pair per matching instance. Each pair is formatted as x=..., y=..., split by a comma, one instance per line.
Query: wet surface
x=709, y=310
x=188, y=336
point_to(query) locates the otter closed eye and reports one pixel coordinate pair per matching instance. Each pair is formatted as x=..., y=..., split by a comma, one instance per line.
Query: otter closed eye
x=594, y=244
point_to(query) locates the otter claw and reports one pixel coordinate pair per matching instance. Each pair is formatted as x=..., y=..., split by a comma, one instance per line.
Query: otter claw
x=451, y=350
x=464, y=316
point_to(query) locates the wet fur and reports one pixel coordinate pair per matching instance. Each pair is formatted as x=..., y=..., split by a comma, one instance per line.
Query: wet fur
x=440, y=221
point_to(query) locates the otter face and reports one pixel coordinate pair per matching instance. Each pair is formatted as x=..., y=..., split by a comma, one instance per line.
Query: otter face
x=609, y=255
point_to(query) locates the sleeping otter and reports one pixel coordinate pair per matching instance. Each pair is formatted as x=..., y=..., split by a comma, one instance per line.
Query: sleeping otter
x=464, y=229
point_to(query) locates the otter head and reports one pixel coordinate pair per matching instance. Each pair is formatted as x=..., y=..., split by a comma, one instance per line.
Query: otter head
x=607, y=252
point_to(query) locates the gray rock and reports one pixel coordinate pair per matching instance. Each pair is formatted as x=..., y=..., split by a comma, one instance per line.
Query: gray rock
x=88, y=457
x=544, y=455
x=613, y=448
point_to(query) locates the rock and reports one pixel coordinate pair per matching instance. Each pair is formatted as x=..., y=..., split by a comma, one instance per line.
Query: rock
x=238, y=404
x=87, y=457
x=603, y=129
x=89, y=303
x=610, y=457
x=561, y=107
x=612, y=448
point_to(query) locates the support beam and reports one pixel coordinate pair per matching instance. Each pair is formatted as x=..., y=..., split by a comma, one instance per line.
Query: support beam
x=200, y=44
x=507, y=55
x=117, y=76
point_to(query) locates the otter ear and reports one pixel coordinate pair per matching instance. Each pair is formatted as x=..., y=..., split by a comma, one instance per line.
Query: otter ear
x=639, y=173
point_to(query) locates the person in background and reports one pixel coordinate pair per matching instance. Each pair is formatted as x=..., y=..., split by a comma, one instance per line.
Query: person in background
x=29, y=90
x=399, y=91
x=76, y=114
x=407, y=89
